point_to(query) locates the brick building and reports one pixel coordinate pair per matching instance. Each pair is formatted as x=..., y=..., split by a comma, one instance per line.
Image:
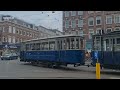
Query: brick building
x=13, y=31
x=87, y=23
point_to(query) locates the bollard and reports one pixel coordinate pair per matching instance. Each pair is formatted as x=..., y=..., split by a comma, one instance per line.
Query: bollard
x=97, y=70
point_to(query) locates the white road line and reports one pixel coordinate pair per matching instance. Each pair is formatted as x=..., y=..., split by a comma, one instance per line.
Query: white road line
x=114, y=77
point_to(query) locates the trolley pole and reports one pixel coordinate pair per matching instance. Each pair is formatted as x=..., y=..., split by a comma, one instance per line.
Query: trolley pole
x=97, y=66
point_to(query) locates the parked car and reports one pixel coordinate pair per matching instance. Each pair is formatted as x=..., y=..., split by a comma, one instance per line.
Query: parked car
x=11, y=56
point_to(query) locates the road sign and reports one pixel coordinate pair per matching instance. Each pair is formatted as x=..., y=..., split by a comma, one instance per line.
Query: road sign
x=96, y=54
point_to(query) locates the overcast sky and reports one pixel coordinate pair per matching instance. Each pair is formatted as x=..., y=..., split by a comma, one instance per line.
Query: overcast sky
x=43, y=18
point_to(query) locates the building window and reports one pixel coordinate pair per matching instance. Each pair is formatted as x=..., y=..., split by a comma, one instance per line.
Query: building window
x=3, y=29
x=13, y=39
x=14, y=30
x=80, y=12
x=73, y=13
x=108, y=19
x=17, y=31
x=17, y=40
x=9, y=39
x=80, y=23
x=66, y=13
x=98, y=31
x=89, y=12
x=91, y=21
x=91, y=32
x=108, y=30
x=117, y=18
x=73, y=23
x=27, y=34
x=30, y=35
x=117, y=29
x=20, y=40
x=10, y=29
x=20, y=32
x=67, y=24
x=81, y=33
x=98, y=20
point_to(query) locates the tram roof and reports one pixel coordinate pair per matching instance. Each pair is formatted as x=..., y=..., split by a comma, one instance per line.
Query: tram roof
x=113, y=33
x=62, y=36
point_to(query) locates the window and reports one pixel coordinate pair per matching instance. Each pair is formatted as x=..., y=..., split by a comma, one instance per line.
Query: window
x=118, y=40
x=108, y=30
x=98, y=20
x=20, y=40
x=117, y=29
x=91, y=32
x=117, y=18
x=27, y=33
x=80, y=12
x=73, y=23
x=3, y=29
x=98, y=31
x=67, y=24
x=13, y=39
x=17, y=40
x=108, y=19
x=72, y=43
x=81, y=33
x=80, y=23
x=17, y=31
x=20, y=32
x=24, y=33
x=91, y=21
x=51, y=45
x=9, y=39
x=10, y=29
x=66, y=13
x=30, y=35
x=77, y=43
x=89, y=12
x=73, y=13
x=14, y=30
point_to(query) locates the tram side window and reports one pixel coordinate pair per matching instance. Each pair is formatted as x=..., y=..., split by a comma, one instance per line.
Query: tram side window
x=51, y=45
x=68, y=43
x=81, y=40
x=72, y=43
x=118, y=40
x=64, y=44
x=107, y=45
x=117, y=47
x=27, y=47
x=77, y=43
x=37, y=46
x=46, y=46
x=33, y=46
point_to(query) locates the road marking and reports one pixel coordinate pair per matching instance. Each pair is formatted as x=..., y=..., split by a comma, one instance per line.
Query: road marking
x=114, y=77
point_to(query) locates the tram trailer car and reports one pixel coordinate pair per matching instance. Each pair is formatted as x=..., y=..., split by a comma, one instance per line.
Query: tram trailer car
x=108, y=47
x=58, y=50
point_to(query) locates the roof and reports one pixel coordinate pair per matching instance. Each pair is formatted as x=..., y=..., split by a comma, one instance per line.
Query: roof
x=54, y=37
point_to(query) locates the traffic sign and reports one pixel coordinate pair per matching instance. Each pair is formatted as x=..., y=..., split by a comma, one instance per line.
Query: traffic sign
x=96, y=54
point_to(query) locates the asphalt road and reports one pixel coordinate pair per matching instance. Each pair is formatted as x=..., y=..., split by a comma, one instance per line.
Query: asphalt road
x=14, y=69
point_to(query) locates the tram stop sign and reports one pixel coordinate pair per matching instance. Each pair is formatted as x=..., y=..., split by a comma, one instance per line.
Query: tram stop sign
x=96, y=54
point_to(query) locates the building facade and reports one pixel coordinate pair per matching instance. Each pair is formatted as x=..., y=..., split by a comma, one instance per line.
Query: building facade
x=88, y=23
x=13, y=31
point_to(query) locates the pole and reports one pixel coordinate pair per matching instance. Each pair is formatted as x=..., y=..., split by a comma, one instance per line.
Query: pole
x=97, y=70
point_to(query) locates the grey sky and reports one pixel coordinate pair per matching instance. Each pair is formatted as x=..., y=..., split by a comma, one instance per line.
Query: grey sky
x=44, y=18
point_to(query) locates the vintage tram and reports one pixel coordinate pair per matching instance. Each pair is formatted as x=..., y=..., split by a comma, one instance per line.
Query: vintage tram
x=54, y=51
x=108, y=47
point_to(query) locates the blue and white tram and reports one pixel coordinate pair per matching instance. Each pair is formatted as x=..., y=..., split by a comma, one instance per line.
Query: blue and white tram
x=58, y=50
x=108, y=47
